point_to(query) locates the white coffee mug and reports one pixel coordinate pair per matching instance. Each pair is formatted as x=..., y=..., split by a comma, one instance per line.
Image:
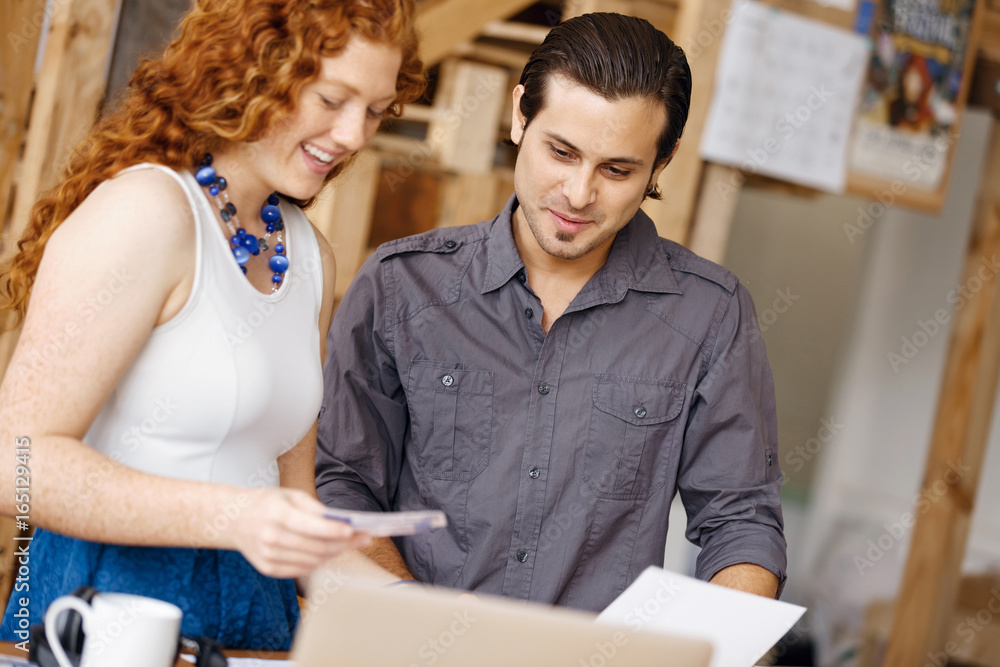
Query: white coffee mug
x=121, y=630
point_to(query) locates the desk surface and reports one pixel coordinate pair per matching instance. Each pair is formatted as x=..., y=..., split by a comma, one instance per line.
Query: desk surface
x=7, y=648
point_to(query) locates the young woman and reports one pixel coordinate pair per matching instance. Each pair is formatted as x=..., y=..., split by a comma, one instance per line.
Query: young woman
x=164, y=391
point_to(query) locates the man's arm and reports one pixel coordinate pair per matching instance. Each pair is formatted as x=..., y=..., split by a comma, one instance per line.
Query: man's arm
x=729, y=478
x=383, y=552
x=363, y=421
x=748, y=578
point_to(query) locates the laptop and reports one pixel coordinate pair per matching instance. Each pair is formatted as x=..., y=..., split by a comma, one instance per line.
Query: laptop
x=365, y=625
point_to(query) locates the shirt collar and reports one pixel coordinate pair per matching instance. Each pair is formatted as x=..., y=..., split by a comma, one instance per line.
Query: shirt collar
x=637, y=259
x=503, y=260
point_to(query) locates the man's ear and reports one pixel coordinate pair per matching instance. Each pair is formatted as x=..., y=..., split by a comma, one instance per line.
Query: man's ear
x=669, y=157
x=517, y=120
x=659, y=166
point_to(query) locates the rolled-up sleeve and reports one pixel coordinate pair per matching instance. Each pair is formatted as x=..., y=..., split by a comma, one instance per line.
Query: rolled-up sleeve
x=729, y=478
x=363, y=420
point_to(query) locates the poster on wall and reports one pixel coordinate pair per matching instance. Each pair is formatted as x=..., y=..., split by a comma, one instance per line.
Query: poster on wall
x=912, y=96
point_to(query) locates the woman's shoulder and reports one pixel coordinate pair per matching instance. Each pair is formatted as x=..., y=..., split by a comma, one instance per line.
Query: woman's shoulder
x=152, y=196
x=138, y=207
x=151, y=182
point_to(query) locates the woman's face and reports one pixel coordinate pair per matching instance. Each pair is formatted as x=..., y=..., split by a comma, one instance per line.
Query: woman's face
x=336, y=115
x=913, y=85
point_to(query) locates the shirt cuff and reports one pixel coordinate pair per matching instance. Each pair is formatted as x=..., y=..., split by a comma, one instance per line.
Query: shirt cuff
x=740, y=542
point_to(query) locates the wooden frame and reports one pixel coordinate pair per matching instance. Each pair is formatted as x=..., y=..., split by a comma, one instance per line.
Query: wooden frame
x=908, y=194
x=66, y=95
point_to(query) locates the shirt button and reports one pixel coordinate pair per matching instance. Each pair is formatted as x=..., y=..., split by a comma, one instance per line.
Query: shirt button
x=520, y=276
x=449, y=244
x=529, y=313
x=534, y=473
x=543, y=389
x=522, y=556
x=447, y=380
x=640, y=412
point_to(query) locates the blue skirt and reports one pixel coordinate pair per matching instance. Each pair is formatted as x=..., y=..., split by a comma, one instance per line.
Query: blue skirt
x=221, y=594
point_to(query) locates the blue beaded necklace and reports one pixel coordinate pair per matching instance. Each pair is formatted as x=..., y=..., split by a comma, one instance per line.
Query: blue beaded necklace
x=243, y=243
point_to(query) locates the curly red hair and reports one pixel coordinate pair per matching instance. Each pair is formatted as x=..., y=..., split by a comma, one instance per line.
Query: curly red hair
x=233, y=68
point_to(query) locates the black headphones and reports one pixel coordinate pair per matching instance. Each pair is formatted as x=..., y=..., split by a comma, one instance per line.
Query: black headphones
x=70, y=630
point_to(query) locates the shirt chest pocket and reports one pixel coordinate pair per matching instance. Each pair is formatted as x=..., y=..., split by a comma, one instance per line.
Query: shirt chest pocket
x=451, y=420
x=632, y=440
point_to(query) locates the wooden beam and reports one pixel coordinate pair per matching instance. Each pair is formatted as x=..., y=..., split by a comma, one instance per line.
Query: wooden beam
x=445, y=23
x=24, y=19
x=699, y=31
x=68, y=93
x=986, y=86
x=493, y=55
x=713, y=217
x=529, y=33
x=469, y=101
x=468, y=199
x=660, y=13
x=343, y=214
x=989, y=40
x=965, y=407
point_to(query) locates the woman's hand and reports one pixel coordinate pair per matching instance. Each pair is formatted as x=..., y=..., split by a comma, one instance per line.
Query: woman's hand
x=284, y=533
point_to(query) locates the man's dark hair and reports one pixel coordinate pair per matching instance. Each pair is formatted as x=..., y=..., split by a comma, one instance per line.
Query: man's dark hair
x=616, y=57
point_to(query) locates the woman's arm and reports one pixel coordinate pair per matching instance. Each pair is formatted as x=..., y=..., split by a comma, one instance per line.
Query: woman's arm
x=297, y=466
x=380, y=560
x=118, y=266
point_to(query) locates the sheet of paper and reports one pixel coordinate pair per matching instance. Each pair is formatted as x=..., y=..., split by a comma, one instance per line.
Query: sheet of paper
x=742, y=627
x=785, y=92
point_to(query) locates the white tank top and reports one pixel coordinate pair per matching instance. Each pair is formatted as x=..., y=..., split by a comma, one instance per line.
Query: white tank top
x=233, y=380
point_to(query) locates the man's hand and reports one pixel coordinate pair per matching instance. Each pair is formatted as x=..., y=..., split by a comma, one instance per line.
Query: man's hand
x=748, y=578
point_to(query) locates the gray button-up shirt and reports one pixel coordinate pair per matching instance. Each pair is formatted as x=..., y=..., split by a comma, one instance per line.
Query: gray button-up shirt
x=555, y=456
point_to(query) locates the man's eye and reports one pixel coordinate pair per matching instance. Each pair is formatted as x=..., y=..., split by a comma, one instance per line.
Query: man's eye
x=559, y=153
x=375, y=114
x=618, y=173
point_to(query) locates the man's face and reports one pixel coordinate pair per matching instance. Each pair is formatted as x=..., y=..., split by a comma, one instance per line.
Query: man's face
x=583, y=166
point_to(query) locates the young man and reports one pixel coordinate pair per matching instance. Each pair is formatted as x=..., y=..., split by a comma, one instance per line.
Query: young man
x=550, y=378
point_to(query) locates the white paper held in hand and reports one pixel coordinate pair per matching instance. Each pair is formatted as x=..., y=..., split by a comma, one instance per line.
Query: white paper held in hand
x=389, y=524
x=742, y=627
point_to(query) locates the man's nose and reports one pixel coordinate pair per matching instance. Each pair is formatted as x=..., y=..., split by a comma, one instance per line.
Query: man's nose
x=580, y=189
